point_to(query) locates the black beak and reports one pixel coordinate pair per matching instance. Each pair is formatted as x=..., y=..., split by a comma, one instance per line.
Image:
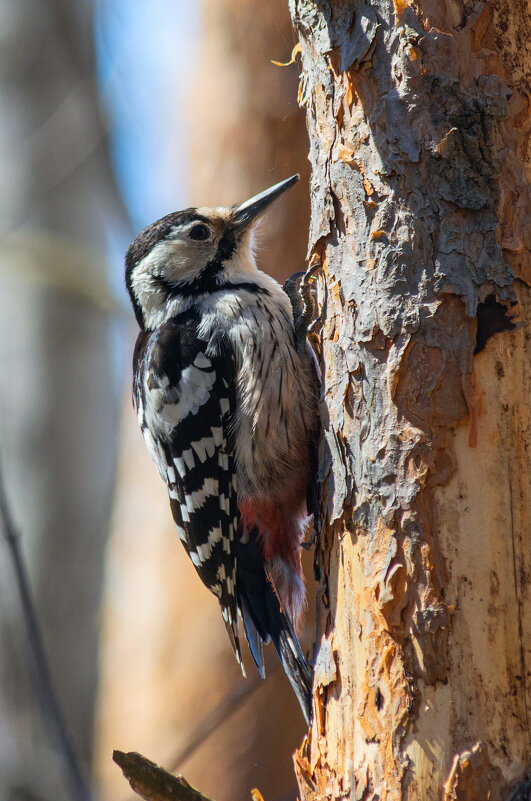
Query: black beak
x=245, y=213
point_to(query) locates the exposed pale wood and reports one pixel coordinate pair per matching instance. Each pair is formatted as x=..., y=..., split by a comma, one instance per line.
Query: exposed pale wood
x=418, y=116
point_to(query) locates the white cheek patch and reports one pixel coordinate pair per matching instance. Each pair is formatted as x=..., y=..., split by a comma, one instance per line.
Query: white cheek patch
x=173, y=260
x=178, y=259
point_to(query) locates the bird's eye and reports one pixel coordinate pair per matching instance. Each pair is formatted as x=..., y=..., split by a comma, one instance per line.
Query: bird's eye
x=200, y=232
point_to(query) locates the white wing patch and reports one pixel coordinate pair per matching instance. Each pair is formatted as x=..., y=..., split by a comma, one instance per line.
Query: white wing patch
x=224, y=504
x=203, y=552
x=172, y=478
x=217, y=436
x=224, y=405
x=171, y=405
x=204, y=447
x=181, y=532
x=202, y=361
x=196, y=500
x=189, y=460
x=184, y=450
x=179, y=464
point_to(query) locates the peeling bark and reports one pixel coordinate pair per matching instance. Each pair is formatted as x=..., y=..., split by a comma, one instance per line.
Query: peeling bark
x=418, y=117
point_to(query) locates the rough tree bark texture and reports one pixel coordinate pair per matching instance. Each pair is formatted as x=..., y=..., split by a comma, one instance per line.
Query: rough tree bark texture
x=418, y=116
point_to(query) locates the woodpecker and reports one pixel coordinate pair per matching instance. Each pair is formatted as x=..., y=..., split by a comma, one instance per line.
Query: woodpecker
x=226, y=402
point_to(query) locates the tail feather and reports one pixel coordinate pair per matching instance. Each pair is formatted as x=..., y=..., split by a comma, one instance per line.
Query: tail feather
x=230, y=618
x=296, y=668
x=253, y=638
x=265, y=620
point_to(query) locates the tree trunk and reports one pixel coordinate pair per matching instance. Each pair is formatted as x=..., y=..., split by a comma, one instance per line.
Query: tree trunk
x=58, y=392
x=418, y=117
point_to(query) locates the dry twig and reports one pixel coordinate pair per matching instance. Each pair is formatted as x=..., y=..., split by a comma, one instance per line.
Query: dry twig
x=153, y=783
x=51, y=707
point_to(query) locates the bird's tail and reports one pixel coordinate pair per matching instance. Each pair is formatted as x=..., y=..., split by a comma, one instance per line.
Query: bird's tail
x=265, y=620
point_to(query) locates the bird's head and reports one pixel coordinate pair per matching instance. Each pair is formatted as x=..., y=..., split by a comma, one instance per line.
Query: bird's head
x=193, y=252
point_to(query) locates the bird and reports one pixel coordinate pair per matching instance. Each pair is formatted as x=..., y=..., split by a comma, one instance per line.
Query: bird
x=226, y=401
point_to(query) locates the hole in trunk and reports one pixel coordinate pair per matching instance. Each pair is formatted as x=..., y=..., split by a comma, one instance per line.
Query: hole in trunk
x=492, y=318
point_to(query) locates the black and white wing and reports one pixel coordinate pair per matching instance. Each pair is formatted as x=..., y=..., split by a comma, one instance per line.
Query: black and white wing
x=183, y=394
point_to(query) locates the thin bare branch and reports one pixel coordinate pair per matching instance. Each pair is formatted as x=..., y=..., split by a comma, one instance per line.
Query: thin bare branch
x=153, y=783
x=51, y=708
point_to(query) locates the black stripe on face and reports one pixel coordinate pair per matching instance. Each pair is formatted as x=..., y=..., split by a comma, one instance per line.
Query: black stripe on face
x=146, y=240
x=207, y=286
x=207, y=280
x=205, y=283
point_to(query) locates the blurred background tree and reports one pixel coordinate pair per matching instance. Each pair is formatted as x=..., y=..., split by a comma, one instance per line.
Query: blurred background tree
x=195, y=113
x=59, y=388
